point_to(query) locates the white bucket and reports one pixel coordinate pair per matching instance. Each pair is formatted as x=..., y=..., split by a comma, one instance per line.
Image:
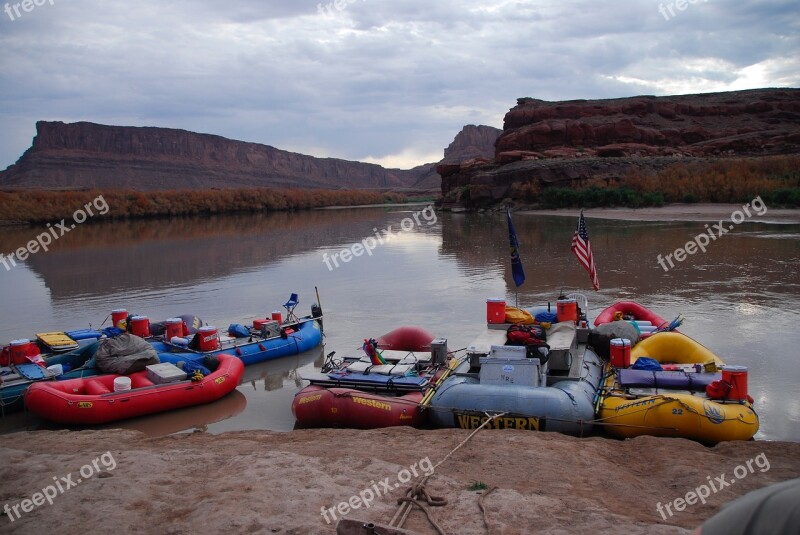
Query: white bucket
x=122, y=384
x=57, y=369
x=179, y=341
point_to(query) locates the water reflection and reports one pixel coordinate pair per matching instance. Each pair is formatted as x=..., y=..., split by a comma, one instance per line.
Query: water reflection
x=741, y=298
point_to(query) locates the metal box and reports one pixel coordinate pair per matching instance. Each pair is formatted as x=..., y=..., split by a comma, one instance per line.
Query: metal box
x=270, y=329
x=439, y=351
x=165, y=372
x=508, y=372
x=509, y=352
x=583, y=335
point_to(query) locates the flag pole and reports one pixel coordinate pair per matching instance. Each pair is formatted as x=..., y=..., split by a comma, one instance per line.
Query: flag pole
x=517, y=271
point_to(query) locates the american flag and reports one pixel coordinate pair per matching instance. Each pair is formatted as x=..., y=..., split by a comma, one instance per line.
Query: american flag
x=583, y=250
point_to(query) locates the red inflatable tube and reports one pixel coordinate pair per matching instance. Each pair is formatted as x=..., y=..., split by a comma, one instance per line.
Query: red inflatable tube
x=629, y=308
x=406, y=339
x=315, y=406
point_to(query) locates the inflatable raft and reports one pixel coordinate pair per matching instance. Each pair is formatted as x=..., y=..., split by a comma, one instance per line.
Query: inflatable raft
x=632, y=311
x=360, y=391
x=19, y=376
x=298, y=338
x=673, y=402
x=98, y=400
x=552, y=394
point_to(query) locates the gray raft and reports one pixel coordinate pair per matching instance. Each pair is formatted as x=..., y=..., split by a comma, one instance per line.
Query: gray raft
x=553, y=394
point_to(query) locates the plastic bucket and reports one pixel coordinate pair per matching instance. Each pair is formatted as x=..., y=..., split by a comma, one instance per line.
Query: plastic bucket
x=20, y=349
x=736, y=376
x=57, y=369
x=276, y=315
x=208, y=338
x=567, y=310
x=140, y=326
x=495, y=311
x=621, y=353
x=118, y=315
x=121, y=384
x=174, y=328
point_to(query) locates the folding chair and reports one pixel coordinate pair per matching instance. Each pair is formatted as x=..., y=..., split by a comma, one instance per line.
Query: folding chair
x=289, y=306
x=583, y=302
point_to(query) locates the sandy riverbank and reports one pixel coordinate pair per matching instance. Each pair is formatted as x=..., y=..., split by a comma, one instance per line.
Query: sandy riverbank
x=267, y=482
x=680, y=212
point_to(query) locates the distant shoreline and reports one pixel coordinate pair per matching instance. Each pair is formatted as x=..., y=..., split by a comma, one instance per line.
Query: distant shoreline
x=386, y=205
x=676, y=212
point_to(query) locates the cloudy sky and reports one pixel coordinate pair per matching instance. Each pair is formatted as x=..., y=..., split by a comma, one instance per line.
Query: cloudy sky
x=388, y=81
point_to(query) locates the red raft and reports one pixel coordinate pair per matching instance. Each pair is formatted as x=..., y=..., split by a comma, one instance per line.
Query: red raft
x=374, y=400
x=92, y=400
x=318, y=406
x=632, y=309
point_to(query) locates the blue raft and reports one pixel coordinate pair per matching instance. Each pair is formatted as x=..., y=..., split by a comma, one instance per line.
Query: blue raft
x=250, y=350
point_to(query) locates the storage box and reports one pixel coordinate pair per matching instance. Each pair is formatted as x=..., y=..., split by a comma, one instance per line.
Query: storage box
x=562, y=339
x=583, y=335
x=270, y=328
x=508, y=372
x=165, y=372
x=509, y=352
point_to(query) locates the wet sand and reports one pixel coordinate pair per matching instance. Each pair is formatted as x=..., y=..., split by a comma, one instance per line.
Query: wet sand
x=682, y=212
x=269, y=482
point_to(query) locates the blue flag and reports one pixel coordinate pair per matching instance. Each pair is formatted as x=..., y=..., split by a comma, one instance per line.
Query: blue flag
x=516, y=262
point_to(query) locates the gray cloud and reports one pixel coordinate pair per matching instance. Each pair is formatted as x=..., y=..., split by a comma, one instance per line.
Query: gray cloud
x=387, y=80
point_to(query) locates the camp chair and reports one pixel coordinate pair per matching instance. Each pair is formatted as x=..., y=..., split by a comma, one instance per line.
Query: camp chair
x=293, y=301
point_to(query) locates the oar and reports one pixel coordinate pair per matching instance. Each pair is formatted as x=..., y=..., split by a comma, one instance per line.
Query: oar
x=452, y=365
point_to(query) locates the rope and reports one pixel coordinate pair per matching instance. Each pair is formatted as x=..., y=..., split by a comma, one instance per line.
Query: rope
x=415, y=495
x=483, y=508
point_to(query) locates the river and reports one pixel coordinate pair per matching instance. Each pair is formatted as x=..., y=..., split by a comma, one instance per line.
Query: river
x=741, y=298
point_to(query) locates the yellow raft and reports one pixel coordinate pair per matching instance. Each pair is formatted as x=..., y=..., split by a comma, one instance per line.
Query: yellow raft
x=666, y=414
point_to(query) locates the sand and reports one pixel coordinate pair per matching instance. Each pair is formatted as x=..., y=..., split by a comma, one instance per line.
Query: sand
x=684, y=212
x=270, y=482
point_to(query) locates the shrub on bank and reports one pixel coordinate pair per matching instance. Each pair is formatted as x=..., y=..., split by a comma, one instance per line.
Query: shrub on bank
x=775, y=179
x=44, y=205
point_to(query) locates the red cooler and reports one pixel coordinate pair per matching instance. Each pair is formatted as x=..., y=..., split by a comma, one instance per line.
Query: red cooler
x=174, y=328
x=495, y=310
x=140, y=326
x=21, y=349
x=621, y=353
x=276, y=316
x=118, y=315
x=567, y=310
x=736, y=376
x=208, y=338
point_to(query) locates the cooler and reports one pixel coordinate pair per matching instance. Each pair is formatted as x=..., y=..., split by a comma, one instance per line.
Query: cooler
x=140, y=326
x=165, y=372
x=621, y=353
x=209, y=341
x=495, y=311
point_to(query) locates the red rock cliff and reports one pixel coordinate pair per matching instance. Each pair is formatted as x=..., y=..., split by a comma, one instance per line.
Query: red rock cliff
x=81, y=155
x=567, y=143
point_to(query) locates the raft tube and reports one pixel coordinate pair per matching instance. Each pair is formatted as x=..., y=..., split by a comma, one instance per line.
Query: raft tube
x=629, y=308
x=93, y=400
x=565, y=407
x=678, y=413
x=316, y=406
x=307, y=336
